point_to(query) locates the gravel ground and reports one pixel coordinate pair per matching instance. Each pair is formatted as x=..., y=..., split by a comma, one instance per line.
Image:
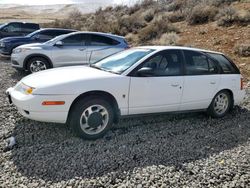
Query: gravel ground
x=184, y=150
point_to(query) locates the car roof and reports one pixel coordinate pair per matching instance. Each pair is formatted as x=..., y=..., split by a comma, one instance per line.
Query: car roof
x=116, y=37
x=61, y=29
x=22, y=22
x=160, y=48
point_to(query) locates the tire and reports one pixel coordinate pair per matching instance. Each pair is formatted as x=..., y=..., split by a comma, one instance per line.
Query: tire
x=220, y=105
x=86, y=120
x=37, y=64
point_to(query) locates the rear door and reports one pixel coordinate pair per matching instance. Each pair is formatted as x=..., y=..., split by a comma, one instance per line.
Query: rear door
x=72, y=51
x=99, y=47
x=201, y=80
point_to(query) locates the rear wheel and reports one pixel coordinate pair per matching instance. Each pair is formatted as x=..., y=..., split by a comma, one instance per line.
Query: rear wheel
x=91, y=117
x=220, y=105
x=37, y=64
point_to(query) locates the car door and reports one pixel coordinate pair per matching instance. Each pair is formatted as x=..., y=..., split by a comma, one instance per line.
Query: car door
x=71, y=52
x=201, y=80
x=161, y=91
x=100, y=46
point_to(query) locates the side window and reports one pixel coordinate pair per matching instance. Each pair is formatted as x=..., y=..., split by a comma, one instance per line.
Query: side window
x=98, y=40
x=199, y=64
x=74, y=40
x=27, y=27
x=44, y=35
x=12, y=28
x=224, y=63
x=166, y=63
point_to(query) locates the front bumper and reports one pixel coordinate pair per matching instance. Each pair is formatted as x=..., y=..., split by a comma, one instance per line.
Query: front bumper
x=30, y=106
x=4, y=52
x=17, y=61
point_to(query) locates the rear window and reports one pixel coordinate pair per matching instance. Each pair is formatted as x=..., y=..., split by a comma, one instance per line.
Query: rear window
x=226, y=66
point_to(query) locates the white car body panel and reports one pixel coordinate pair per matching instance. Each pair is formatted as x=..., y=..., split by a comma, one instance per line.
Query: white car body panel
x=147, y=97
x=199, y=91
x=134, y=95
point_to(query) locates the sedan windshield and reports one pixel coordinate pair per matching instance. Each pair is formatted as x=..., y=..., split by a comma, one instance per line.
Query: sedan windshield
x=33, y=33
x=2, y=25
x=120, y=62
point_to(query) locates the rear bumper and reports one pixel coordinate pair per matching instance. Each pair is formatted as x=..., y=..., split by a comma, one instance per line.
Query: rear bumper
x=239, y=97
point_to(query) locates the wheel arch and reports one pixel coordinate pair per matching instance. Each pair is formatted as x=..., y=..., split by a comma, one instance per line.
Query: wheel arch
x=104, y=95
x=29, y=57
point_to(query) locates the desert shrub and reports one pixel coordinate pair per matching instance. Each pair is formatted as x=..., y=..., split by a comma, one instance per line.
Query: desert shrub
x=242, y=49
x=168, y=39
x=149, y=15
x=221, y=2
x=155, y=29
x=202, y=14
x=243, y=18
x=128, y=24
x=177, y=16
x=227, y=16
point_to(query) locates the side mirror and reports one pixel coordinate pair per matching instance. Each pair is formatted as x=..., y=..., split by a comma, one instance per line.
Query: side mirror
x=59, y=43
x=145, y=71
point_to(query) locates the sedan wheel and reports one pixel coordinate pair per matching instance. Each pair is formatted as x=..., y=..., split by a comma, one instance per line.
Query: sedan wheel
x=220, y=105
x=94, y=119
x=91, y=117
x=37, y=64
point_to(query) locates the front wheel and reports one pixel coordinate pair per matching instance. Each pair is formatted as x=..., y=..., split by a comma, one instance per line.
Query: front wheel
x=91, y=117
x=37, y=64
x=220, y=105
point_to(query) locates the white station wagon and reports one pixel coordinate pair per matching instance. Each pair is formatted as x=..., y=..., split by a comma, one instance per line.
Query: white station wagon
x=142, y=80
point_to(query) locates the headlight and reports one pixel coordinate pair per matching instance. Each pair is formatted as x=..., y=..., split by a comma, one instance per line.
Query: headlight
x=19, y=50
x=24, y=88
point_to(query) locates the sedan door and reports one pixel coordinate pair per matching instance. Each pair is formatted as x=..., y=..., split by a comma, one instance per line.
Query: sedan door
x=71, y=52
x=100, y=46
x=160, y=90
x=200, y=82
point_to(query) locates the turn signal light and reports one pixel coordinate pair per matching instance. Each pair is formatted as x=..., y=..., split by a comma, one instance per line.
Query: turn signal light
x=46, y=103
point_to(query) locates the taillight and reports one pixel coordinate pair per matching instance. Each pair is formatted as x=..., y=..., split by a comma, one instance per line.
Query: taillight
x=241, y=84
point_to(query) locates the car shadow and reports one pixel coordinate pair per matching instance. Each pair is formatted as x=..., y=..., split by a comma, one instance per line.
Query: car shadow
x=51, y=152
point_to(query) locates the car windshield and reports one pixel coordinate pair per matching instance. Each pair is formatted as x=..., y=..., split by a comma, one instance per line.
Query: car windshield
x=33, y=33
x=2, y=25
x=51, y=41
x=120, y=62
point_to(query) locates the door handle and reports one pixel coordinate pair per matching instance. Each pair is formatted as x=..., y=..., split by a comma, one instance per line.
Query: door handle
x=174, y=85
x=213, y=82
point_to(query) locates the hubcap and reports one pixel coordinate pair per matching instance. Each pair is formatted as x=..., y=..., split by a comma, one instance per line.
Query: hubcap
x=221, y=103
x=37, y=65
x=94, y=119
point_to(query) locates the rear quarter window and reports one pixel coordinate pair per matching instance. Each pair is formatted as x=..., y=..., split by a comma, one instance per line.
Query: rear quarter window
x=98, y=40
x=226, y=65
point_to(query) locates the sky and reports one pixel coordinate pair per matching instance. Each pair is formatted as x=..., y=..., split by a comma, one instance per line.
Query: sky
x=50, y=2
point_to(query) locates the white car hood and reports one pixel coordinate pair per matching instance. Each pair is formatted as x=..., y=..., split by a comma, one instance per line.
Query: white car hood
x=64, y=76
